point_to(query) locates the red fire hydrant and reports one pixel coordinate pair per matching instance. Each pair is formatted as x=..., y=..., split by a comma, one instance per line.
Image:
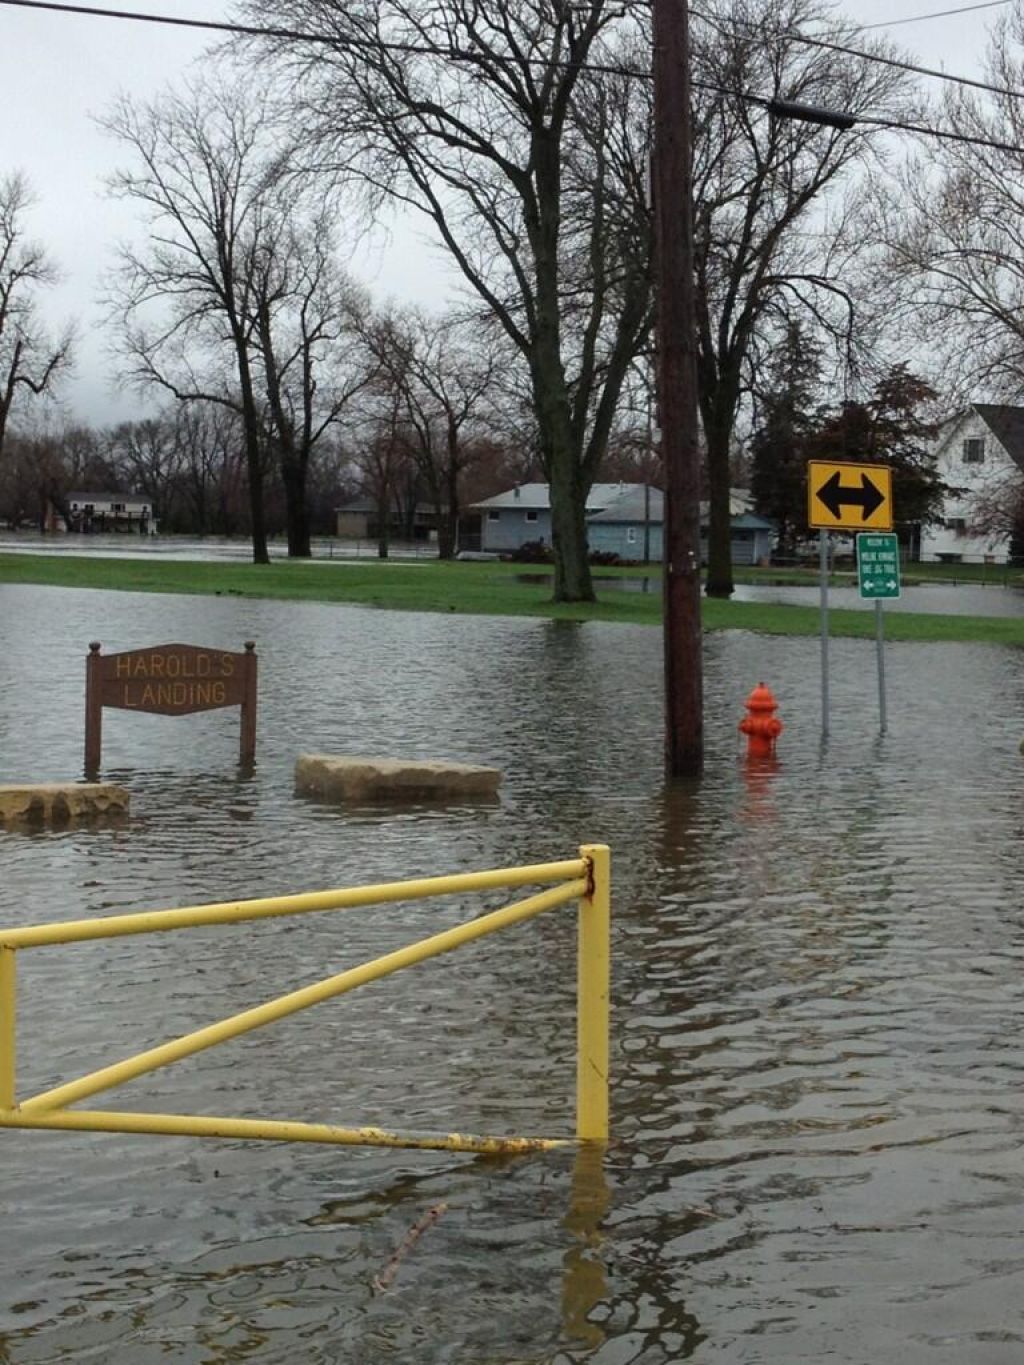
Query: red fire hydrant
x=761, y=726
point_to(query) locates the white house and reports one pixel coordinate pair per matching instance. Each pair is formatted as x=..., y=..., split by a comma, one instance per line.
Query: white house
x=109, y=512
x=980, y=457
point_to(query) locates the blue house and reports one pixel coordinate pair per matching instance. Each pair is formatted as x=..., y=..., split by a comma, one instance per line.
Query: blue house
x=523, y=514
x=623, y=519
x=630, y=524
x=751, y=537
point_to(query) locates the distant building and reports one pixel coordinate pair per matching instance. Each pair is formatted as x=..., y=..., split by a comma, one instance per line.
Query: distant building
x=357, y=520
x=980, y=457
x=622, y=518
x=100, y=513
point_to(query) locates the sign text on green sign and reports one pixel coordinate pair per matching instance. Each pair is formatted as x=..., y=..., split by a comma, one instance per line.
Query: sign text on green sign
x=878, y=565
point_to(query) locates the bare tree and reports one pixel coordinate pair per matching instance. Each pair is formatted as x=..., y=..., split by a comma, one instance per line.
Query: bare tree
x=770, y=239
x=382, y=459
x=30, y=362
x=954, y=232
x=210, y=444
x=480, y=117
x=307, y=317
x=442, y=370
x=206, y=168
x=148, y=461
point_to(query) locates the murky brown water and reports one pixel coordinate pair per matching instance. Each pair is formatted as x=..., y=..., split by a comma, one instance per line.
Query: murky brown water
x=818, y=1007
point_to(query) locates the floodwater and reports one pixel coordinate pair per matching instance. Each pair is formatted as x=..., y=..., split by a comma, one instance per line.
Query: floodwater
x=818, y=1007
x=947, y=599
x=198, y=548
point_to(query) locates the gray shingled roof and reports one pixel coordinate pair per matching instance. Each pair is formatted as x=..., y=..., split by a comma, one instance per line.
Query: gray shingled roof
x=629, y=506
x=1006, y=424
x=536, y=497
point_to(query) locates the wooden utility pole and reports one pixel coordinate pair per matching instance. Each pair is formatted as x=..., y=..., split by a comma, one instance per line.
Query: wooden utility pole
x=675, y=332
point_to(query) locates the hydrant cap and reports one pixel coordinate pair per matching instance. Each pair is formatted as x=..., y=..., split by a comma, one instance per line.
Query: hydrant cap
x=762, y=699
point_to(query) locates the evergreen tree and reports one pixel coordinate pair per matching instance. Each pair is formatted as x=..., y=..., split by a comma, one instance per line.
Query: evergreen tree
x=895, y=426
x=788, y=411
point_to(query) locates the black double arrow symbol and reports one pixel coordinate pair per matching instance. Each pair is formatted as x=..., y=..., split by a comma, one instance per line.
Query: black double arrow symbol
x=835, y=495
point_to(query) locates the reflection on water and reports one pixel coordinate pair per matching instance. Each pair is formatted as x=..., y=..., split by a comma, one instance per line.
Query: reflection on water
x=817, y=1006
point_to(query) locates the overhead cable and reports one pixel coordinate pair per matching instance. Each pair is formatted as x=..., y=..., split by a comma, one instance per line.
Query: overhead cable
x=299, y=36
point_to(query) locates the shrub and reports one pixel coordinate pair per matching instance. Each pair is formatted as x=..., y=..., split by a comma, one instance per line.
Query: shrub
x=532, y=552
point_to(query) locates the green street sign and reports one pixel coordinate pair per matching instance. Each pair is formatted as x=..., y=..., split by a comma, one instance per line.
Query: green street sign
x=878, y=565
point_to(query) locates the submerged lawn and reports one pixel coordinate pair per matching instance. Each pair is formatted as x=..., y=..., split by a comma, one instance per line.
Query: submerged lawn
x=491, y=589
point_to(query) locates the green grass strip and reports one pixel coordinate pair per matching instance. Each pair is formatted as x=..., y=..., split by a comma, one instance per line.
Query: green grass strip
x=488, y=589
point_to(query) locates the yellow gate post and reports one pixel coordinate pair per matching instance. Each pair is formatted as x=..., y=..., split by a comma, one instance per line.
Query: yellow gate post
x=8, y=1014
x=593, y=968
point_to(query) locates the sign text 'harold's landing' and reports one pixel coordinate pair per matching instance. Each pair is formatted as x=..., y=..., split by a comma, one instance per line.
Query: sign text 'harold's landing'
x=169, y=680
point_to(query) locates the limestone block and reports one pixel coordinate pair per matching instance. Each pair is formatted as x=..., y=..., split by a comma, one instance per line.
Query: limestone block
x=58, y=804
x=334, y=778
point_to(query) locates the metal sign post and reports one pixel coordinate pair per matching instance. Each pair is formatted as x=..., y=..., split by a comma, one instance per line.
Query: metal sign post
x=878, y=578
x=823, y=567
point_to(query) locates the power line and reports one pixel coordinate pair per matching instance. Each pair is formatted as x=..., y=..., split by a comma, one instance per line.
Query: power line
x=349, y=41
x=936, y=14
x=878, y=57
x=923, y=130
x=298, y=35
x=356, y=43
x=943, y=134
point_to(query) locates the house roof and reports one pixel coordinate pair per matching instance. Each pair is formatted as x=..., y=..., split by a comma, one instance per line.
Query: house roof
x=536, y=497
x=740, y=501
x=623, y=504
x=629, y=506
x=107, y=497
x=750, y=521
x=369, y=505
x=1006, y=424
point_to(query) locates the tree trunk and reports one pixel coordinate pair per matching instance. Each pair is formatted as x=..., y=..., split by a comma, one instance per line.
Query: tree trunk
x=253, y=452
x=293, y=479
x=448, y=522
x=719, y=573
x=560, y=452
x=254, y=469
x=383, y=510
x=573, y=582
x=567, y=484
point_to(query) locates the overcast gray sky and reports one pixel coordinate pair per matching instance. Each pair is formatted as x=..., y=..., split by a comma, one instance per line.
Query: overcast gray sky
x=57, y=70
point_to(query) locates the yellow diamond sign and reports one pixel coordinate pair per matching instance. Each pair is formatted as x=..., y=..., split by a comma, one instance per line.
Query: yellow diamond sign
x=849, y=497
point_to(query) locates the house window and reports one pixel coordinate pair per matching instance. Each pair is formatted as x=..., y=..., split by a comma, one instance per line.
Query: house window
x=493, y=516
x=117, y=506
x=974, y=450
x=630, y=535
x=531, y=516
x=958, y=525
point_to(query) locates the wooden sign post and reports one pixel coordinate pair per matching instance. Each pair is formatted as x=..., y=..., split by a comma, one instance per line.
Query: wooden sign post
x=169, y=680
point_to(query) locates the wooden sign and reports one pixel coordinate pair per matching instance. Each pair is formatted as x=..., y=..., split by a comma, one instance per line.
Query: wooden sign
x=169, y=680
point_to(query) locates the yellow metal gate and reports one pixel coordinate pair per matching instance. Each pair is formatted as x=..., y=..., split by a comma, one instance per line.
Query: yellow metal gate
x=585, y=879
